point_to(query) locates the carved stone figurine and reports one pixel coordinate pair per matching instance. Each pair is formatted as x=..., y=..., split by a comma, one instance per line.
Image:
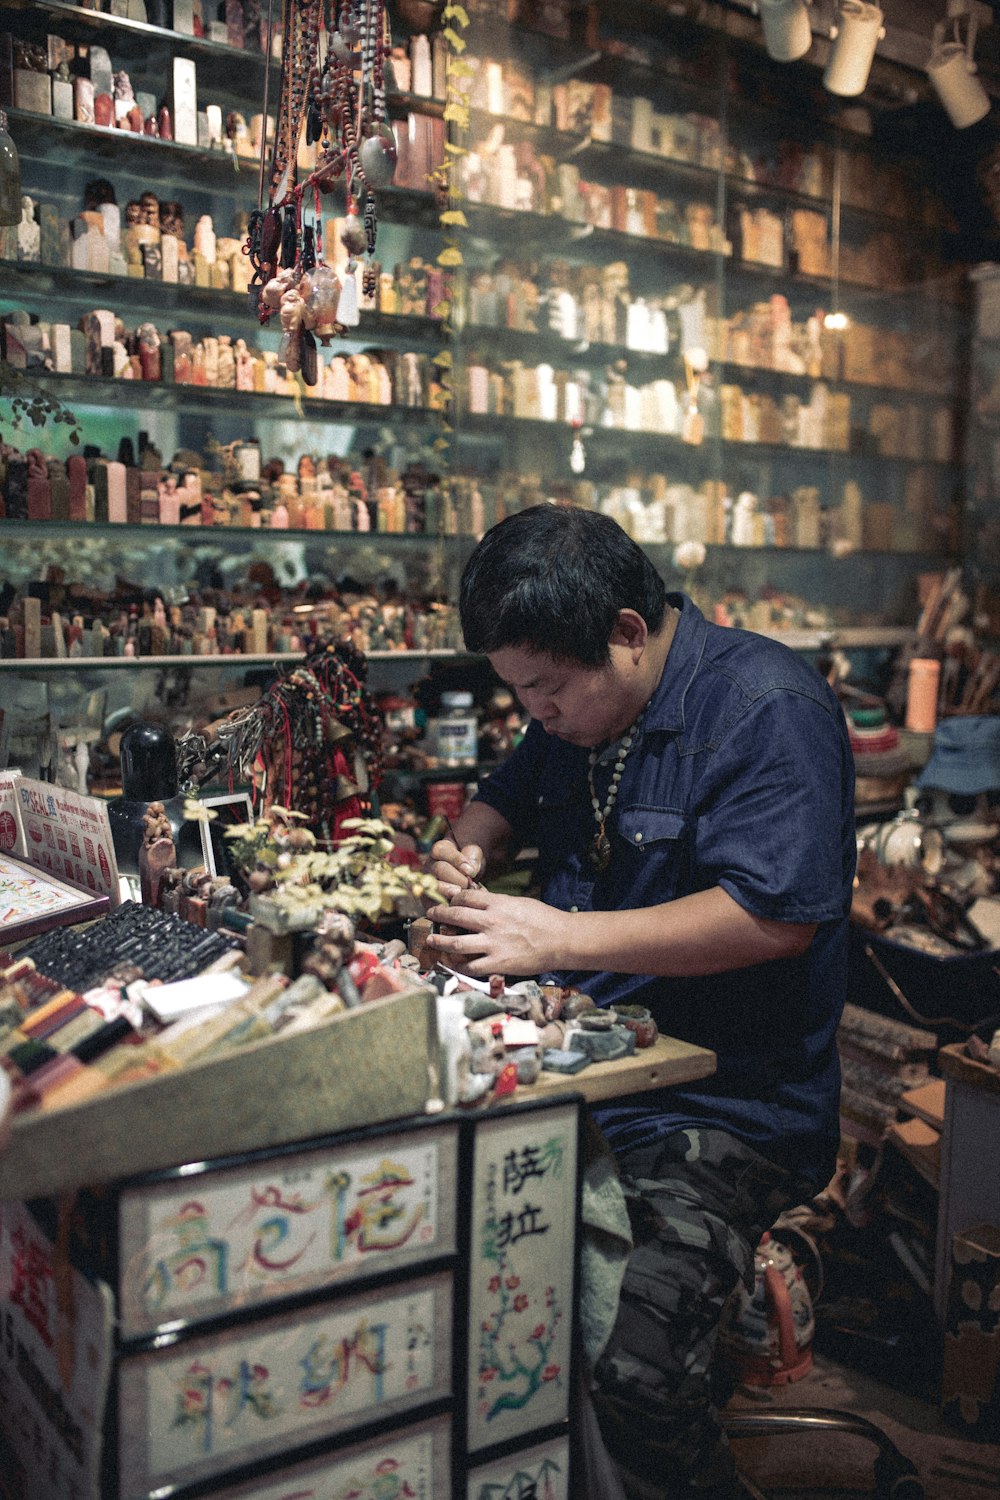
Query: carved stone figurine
x=156, y=853
x=29, y=235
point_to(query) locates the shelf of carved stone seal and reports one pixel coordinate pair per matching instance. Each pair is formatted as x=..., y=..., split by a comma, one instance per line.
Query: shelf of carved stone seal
x=860, y=638
x=494, y=427
x=537, y=345
x=234, y=662
x=689, y=73
x=151, y=534
x=140, y=395
x=644, y=169
x=43, y=138
x=132, y=42
x=33, y=278
x=549, y=233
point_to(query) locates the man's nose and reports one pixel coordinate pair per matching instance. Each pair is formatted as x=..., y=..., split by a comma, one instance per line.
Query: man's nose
x=541, y=707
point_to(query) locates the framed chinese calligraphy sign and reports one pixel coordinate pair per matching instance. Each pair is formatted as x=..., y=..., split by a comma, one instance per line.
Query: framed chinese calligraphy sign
x=219, y=1401
x=200, y=1245
x=521, y=1273
x=410, y=1464
x=540, y=1473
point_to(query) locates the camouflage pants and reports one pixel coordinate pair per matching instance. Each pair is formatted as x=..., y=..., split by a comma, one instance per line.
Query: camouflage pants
x=699, y=1202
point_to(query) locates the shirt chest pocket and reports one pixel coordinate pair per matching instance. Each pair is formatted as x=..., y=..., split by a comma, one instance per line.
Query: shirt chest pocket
x=653, y=846
x=562, y=823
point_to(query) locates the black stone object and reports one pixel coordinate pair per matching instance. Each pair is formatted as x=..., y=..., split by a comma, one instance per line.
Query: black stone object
x=149, y=774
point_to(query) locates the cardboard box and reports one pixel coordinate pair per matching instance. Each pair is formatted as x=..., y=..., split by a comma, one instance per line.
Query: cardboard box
x=362, y=1067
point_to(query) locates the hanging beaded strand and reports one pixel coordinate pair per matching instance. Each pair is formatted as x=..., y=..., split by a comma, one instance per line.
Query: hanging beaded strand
x=599, y=853
x=341, y=100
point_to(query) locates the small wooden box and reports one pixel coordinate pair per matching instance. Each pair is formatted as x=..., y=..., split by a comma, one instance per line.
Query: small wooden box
x=362, y=1067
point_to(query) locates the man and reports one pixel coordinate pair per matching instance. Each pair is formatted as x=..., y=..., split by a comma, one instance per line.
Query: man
x=689, y=790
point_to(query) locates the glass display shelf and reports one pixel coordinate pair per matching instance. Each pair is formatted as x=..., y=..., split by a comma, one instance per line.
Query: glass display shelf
x=553, y=347
x=24, y=531
x=690, y=63
x=131, y=41
x=495, y=427
x=538, y=233
x=647, y=169
x=98, y=390
x=43, y=138
x=92, y=390
x=233, y=662
x=33, y=278
x=859, y=638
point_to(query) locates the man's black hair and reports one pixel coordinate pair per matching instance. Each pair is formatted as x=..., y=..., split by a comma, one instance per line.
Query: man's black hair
x=552, y=579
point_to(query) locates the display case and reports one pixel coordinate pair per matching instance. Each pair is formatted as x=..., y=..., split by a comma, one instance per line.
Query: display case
x=388, y=1311
x=687, y=285
x=701, y=295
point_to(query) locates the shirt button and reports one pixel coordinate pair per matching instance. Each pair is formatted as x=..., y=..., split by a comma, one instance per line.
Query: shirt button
x=574, y=908
x=638, y=838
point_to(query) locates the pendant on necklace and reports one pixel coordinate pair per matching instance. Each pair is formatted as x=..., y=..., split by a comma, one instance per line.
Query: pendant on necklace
x=600, y=851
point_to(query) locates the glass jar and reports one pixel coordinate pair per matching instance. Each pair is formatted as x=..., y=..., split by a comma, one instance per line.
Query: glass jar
x=456, y=732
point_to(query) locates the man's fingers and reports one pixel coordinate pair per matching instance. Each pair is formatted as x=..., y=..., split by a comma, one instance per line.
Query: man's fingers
x=457, y=949
x=462, y=911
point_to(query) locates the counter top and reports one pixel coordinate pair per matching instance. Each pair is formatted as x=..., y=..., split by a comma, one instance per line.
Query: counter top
x=962, y=1069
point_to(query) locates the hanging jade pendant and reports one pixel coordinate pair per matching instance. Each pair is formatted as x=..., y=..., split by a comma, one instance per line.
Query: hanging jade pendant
x=600, y=851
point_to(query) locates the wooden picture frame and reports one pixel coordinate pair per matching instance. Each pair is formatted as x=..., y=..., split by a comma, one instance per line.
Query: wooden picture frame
x=215, y=855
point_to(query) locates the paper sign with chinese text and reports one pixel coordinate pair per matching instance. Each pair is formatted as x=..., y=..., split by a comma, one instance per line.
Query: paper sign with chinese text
x=194, y=1247
x=521, y=1273
x=410, y=1465
x=539, y=1473
x=54, y=1367
x=212, y=1402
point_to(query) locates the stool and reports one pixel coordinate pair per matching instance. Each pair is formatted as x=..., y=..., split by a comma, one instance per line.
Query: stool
x=896, y=1477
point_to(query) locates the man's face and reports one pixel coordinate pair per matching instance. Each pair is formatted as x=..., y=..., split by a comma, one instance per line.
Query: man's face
x=583, y=705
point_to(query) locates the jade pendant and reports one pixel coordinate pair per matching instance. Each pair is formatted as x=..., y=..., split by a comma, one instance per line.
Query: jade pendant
x=600, y=851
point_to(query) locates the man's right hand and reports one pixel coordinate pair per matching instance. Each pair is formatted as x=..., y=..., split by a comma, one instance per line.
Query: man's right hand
x=455, y=869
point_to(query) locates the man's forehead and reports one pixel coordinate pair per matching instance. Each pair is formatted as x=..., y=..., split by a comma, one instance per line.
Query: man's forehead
x=520, y=667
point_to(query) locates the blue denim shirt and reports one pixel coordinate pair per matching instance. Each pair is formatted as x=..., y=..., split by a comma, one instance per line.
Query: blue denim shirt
x=741, y=776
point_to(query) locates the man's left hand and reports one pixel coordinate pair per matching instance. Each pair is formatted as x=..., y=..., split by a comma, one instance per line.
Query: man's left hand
x=497, y=934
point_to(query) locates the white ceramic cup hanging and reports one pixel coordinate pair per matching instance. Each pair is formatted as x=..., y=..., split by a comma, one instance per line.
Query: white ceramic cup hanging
x=859, y=27
x=960, y=91
x=787, y=32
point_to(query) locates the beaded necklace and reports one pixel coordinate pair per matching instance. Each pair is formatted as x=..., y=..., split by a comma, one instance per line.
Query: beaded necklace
x=599, y=853
x=337, y=98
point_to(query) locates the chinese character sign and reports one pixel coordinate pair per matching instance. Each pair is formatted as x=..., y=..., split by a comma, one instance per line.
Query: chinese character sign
x=55, y=1355
x=242, y=1236
x=410, y=1465
x=521, y=1273
x=267, y=1387
x=541, y=1473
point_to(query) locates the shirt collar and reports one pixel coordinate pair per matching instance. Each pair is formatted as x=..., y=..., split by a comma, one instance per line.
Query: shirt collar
x=665, y=709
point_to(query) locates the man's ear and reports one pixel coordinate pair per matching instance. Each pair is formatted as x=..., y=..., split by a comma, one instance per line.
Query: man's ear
x=630, y=630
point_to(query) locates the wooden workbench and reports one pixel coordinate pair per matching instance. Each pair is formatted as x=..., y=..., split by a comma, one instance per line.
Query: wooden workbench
x=667, y=1062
